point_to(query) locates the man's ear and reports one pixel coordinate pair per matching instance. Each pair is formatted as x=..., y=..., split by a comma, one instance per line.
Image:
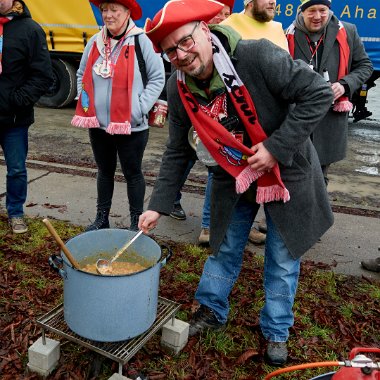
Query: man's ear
x=205, y=29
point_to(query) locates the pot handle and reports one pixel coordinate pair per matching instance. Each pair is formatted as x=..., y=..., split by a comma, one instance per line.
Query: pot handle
x=56, y=263
x=164, y=258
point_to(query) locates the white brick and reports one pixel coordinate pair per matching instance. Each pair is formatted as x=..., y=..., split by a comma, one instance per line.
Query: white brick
x=117, y=376
x=43, y=356
x=175, y=335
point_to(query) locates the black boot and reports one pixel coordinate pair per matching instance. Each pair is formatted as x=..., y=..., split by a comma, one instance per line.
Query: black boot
x=134, y=222
x=101, y=220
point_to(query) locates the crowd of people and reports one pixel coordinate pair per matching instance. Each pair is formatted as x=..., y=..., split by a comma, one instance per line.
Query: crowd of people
x=248, y=100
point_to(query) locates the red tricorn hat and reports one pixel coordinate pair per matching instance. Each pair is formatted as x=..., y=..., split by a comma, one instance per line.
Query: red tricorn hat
x=177, y=13
x=229, y=3
x=132, y=5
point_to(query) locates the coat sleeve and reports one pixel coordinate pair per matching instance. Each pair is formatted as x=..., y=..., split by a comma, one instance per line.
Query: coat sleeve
x=40, y=74
x=83, y=63
x=361, y=67
x=155, y=74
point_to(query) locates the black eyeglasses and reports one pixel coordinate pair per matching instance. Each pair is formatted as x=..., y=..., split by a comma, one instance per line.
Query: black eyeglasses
x=184, y=45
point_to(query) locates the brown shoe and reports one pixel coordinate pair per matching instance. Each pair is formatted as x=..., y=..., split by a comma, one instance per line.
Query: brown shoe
x=256, y=237
x=204, y=237
x=18, y=225
x=371, y=265
x=262, y=226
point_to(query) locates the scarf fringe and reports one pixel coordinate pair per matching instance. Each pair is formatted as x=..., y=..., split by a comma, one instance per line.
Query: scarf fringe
x=272, y=193
x=343, y=106
x=245, y=178
x=85, y=122
x=119, y=128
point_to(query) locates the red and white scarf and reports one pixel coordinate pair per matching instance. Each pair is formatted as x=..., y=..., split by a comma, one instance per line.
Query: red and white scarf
x=342, y=104
x=226, y=150
x=121, y=99
x=3, y=20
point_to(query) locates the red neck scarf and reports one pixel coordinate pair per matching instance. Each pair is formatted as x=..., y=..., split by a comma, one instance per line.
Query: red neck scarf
x=227, y=151
x=3, y=20
x=342, y=104
x=121, y=99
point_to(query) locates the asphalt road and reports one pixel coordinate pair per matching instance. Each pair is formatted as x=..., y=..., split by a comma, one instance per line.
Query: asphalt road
x=62, y=186
x=355, y=181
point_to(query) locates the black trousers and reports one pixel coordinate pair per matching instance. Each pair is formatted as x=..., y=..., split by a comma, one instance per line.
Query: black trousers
x=130, y=150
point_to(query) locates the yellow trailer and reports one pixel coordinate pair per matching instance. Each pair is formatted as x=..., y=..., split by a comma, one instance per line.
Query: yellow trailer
x=68, y=25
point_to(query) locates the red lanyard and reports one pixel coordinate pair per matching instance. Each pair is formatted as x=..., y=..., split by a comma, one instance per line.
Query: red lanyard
x=316, y=48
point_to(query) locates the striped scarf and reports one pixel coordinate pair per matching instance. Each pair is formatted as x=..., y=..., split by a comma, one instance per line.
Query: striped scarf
x=342, y=104
x=121, y=98
x=226, y=150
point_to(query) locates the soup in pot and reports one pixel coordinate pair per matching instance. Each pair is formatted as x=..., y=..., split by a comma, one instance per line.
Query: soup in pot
x=130, y=263
x=117, y=268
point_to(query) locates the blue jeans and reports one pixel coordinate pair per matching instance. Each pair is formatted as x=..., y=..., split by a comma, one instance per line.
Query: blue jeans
x=14, y=142
x=206, y=204
x=281, y=274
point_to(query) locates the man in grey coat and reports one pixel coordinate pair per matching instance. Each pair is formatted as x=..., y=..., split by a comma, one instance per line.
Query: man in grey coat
x=233, y=92
x=333, y=49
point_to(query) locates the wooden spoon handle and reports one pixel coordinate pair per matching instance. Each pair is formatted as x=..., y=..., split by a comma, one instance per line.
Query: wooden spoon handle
x=54, y=233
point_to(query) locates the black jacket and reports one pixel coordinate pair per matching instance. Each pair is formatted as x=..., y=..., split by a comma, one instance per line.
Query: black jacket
x=27, y=72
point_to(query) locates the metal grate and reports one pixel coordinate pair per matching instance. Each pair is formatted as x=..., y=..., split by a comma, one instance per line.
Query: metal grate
x=122, y=351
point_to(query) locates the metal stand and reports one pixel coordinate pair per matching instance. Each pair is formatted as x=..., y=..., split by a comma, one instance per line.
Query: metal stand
x=120, y=352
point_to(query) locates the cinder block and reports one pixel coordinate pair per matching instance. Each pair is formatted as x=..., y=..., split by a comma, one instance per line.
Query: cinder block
x=175, y=335
x=117, y=376
x=42, y=372
x=43, y=357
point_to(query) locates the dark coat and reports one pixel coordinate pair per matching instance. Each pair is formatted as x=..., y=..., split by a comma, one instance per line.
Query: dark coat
x=27, y=72
x=330, y=138
x=274, y=81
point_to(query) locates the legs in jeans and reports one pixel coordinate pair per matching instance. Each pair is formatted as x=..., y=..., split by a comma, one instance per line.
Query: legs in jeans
x=220, y=272
x=14, y=142
x=130, y=149
x=206, y=204
x=281, y=272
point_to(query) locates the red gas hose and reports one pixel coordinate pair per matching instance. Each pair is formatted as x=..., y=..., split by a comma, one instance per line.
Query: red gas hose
x=303, y=366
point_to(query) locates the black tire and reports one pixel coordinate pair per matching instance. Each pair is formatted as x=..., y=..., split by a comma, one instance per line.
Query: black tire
x=64, y=88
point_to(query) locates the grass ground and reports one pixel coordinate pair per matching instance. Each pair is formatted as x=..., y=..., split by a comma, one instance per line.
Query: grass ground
x=333, y=314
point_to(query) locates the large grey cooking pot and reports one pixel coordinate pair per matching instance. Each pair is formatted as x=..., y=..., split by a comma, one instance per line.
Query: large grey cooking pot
x=110, y=308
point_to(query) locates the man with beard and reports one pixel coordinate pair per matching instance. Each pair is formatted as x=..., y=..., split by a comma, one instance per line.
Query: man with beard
x=331, y=48
x=262, y=156
x=257, y=22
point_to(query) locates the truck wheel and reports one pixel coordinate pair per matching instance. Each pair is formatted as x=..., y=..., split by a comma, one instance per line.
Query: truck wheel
x=64, y=88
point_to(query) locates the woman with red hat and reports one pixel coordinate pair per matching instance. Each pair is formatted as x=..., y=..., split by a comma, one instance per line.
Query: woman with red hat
x=114, y=103
x=224, y=13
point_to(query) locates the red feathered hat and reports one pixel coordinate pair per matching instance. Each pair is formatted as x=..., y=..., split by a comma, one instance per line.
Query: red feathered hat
x=177, y=13
x=132, y=5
